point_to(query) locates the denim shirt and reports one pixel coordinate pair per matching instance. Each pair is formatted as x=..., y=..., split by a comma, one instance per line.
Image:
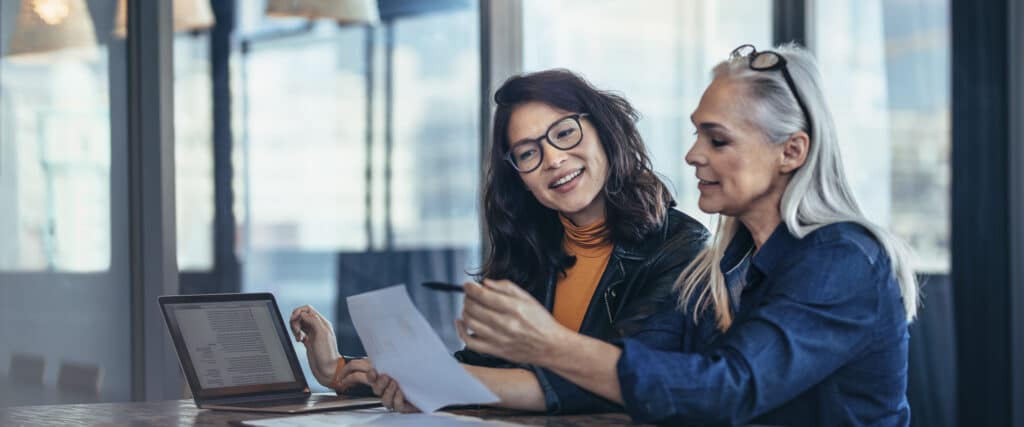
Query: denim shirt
x=819, y=337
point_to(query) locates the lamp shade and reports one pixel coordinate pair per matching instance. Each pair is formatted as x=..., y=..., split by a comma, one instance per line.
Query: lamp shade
x=189, y=15
x=51, y=25
x=343, y=11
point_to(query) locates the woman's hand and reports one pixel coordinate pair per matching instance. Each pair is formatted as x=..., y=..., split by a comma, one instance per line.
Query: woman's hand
x=316, y=333
x=390, y=392
x=501, y=319
x=354, y=373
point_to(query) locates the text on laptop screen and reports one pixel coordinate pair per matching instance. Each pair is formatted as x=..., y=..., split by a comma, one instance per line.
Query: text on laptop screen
x=233, y=343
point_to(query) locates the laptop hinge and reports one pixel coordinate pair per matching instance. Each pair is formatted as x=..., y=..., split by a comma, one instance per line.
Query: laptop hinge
x=250, y=398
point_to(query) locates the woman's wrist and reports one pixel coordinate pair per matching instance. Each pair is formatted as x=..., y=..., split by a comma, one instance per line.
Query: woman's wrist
x=558, y=346
x=327, y=370
x=333, y=379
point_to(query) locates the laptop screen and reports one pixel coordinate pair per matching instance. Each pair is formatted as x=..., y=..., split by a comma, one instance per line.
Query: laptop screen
x=232, y=345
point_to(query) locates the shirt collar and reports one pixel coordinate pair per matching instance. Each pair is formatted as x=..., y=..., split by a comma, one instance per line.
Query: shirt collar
x=775, y=250
x=771, y=254
x=741, y=242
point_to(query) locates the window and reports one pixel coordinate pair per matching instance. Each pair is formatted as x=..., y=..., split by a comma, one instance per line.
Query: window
x=64, y=271
x=436, y=131
x=658, y=54
x=54, y=147
x=193, y=145
x=886, y=68
x=357, y=158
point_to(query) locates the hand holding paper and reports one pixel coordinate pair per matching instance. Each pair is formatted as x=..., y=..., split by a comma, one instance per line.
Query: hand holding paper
x=403, y=345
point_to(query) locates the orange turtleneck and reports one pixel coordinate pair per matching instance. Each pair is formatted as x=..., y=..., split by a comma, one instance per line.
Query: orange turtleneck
x=592, y=249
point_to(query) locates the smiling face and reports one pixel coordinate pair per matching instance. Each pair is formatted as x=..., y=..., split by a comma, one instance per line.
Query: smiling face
x=741, y=173
x=568, y=181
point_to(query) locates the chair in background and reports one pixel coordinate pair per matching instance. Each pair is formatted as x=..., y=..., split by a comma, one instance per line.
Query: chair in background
x=26, y=369
x=360, y=272
x=79, y=378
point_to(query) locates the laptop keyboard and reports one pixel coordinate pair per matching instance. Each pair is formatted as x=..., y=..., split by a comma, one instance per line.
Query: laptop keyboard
x=290, y=401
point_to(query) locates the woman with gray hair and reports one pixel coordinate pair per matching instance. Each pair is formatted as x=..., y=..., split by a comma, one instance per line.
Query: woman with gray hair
x=795, y=314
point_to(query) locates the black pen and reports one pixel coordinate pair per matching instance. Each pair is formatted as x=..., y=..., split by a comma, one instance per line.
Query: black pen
x=442, y=286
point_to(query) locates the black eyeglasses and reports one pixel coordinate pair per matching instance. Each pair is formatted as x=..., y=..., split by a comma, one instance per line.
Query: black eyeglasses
x=768, y=61
x=564, y=134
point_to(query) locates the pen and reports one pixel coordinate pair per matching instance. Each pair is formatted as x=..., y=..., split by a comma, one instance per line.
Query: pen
x=442, y=286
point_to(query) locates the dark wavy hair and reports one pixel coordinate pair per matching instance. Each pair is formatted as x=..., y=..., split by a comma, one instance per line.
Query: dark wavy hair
x=525, y=236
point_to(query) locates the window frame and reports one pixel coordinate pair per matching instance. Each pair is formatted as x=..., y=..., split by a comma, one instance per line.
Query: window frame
x=1016, y=54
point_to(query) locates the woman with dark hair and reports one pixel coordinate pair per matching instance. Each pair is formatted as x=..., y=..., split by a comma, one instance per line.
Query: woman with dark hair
x=576, y=218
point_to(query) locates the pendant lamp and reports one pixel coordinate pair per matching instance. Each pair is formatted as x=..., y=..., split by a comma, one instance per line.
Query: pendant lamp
x=343, y=11
x=50, y=26
x=189, y=15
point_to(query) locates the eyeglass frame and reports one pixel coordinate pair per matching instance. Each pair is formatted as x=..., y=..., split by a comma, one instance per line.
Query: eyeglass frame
x=780, y=64
x=576, y=117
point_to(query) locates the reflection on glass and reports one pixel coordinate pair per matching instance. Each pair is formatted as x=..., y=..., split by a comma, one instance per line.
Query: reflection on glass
x=315, y=202
x=886, y=72
x=305, y=127
x=300, y=180
x=54, y=148
x=657, y=53
x=193, y=145
x=436, y=167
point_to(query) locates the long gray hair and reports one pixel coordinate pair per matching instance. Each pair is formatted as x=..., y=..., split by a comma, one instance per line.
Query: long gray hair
x=816, y=196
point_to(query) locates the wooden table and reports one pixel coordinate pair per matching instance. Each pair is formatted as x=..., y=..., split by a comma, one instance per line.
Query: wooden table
x=185, y=413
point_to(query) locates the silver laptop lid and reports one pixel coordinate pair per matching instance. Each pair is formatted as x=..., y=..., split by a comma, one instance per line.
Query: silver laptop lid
x=233, y=347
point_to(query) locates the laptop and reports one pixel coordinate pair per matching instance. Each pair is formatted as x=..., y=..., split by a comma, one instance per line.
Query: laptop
x=237, y=355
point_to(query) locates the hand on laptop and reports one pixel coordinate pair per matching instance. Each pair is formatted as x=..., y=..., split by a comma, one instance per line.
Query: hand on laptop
x=315, y=332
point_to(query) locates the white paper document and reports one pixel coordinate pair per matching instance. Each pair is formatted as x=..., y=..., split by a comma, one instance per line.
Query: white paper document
x=402, y=345
x=377, y=417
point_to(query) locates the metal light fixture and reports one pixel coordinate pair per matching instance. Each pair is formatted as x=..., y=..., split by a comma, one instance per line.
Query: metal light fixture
x=189, y=15
x=343, y=11
x=46, y=26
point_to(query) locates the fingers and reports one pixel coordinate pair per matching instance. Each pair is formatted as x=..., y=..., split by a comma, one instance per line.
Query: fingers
x=305, y=321
x=398, y=401
x=375, y=382
x=355, y=372
x=390, y=392
x=352, y=380
x=388, y=398
x=506, y=287
x=357, y=365
x=487, y=297
x=482, y=314
x=295, y=321
x=472, y=341
x=403, y=405
x=394, y=399
x=489, y=327
x=464, y=335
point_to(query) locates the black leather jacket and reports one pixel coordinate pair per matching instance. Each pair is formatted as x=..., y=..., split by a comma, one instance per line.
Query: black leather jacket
x=636, y=283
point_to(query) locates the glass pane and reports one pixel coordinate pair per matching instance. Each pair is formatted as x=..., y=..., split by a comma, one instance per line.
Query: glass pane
x=64, y=278
x=436, y=157
x=351, y=176
x=54, y=146
x=657, y=53
x=886, y=69
x=300, y=150
x=305, y=141
x=193, y=146
x=436, y=168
